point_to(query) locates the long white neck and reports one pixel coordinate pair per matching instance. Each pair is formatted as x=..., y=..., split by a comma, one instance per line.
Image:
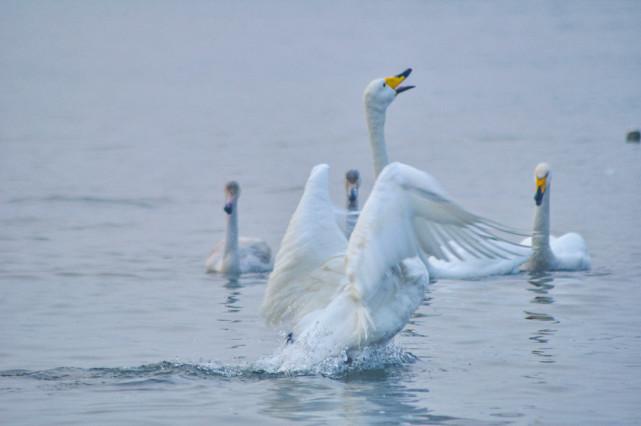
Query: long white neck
x=376, y=128
x=231, y=258
x=542, y=256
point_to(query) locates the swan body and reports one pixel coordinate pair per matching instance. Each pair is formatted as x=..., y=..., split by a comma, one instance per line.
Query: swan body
x=568, y=252
x=333, y=294
x=237, y=255
x=254, y=255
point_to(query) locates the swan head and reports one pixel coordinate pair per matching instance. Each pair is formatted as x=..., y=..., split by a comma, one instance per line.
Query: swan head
x=542, y=180
x=352, y=183
x=232, y=191
x=380, y=93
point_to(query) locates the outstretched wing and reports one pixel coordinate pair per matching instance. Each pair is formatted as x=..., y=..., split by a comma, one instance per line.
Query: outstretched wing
x=313, y=238
x=446, y=231
x=409, y=214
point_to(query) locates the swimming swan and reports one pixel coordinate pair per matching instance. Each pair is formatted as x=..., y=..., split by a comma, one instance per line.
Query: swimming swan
x=332, y=294
x=235, y=255
x=568, y=252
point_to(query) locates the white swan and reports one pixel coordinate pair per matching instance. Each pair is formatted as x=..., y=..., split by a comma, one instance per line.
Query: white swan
x=568, y=252
x=501, y=258
x=235, y=255
x=379, y=94
x=332, y=294
x=352, y=187
x=540, y=252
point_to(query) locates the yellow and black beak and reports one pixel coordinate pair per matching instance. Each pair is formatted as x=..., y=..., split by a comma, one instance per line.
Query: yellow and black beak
x=541, y=186
x=395, y=81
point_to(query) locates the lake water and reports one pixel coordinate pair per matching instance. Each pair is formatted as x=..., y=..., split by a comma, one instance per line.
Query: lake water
x=121, y=122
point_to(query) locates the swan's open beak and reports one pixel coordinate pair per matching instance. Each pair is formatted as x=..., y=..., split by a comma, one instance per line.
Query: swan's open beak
x=394, y=82
x=229, y=207
x=541, y=184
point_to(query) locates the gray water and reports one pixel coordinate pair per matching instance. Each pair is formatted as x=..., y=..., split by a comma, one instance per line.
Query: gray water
x=120, y=122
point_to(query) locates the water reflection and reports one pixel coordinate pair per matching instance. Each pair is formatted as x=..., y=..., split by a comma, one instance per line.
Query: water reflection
x=370, y=396
x=541, y=284
x=235, y=286
x=415, y=322
x=231, y=302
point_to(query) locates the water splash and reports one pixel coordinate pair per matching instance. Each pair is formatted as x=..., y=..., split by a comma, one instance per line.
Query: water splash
x=346, y=364
x=292, y=360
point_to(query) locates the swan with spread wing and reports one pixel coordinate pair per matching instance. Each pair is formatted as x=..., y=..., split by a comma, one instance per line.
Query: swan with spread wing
x=332, y=294
x=447, y=242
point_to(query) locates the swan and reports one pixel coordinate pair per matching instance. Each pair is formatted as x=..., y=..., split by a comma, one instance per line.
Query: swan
x=458, y=259
x=331, y=294
x=378, y=95
x=568, y=252
x=235, y=255
x=539, y=252
x=352, y=186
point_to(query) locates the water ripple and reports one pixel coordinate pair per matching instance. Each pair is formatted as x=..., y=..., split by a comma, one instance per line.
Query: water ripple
x=369, y=361
x=141, y=202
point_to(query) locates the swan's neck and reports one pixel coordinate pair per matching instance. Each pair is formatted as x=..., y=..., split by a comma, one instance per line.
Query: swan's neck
x=376, y=128
x=541, y=251
x=352, y=205
x=231, y=258
x=352, y=216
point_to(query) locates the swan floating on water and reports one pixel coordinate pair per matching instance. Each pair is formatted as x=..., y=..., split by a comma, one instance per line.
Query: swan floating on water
x=540, y=252
x=331, y=294
x=567, y=252
x=352, y=186
x=237, y=255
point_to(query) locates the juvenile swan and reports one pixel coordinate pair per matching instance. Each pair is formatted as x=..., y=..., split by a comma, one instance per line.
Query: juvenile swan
x=352, y=186
x=568, y=252
x=235, y=255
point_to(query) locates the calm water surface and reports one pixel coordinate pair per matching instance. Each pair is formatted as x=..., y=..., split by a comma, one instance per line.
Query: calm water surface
x=120, y=124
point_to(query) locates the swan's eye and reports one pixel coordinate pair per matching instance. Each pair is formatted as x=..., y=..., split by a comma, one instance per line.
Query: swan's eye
x=383, y=84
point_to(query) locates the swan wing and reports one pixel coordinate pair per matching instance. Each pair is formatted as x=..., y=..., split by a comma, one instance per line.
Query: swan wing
x=409, y=214
x=446, y=230
x=304, y=275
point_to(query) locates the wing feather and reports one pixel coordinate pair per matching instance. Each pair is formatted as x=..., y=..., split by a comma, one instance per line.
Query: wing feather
x=409, y=214
x=312, y=238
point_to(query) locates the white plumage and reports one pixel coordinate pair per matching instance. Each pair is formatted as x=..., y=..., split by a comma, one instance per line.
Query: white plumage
x=333, y=294
x=568, y=252
x=539, y=252
x=254, y=255
x=456, y=255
